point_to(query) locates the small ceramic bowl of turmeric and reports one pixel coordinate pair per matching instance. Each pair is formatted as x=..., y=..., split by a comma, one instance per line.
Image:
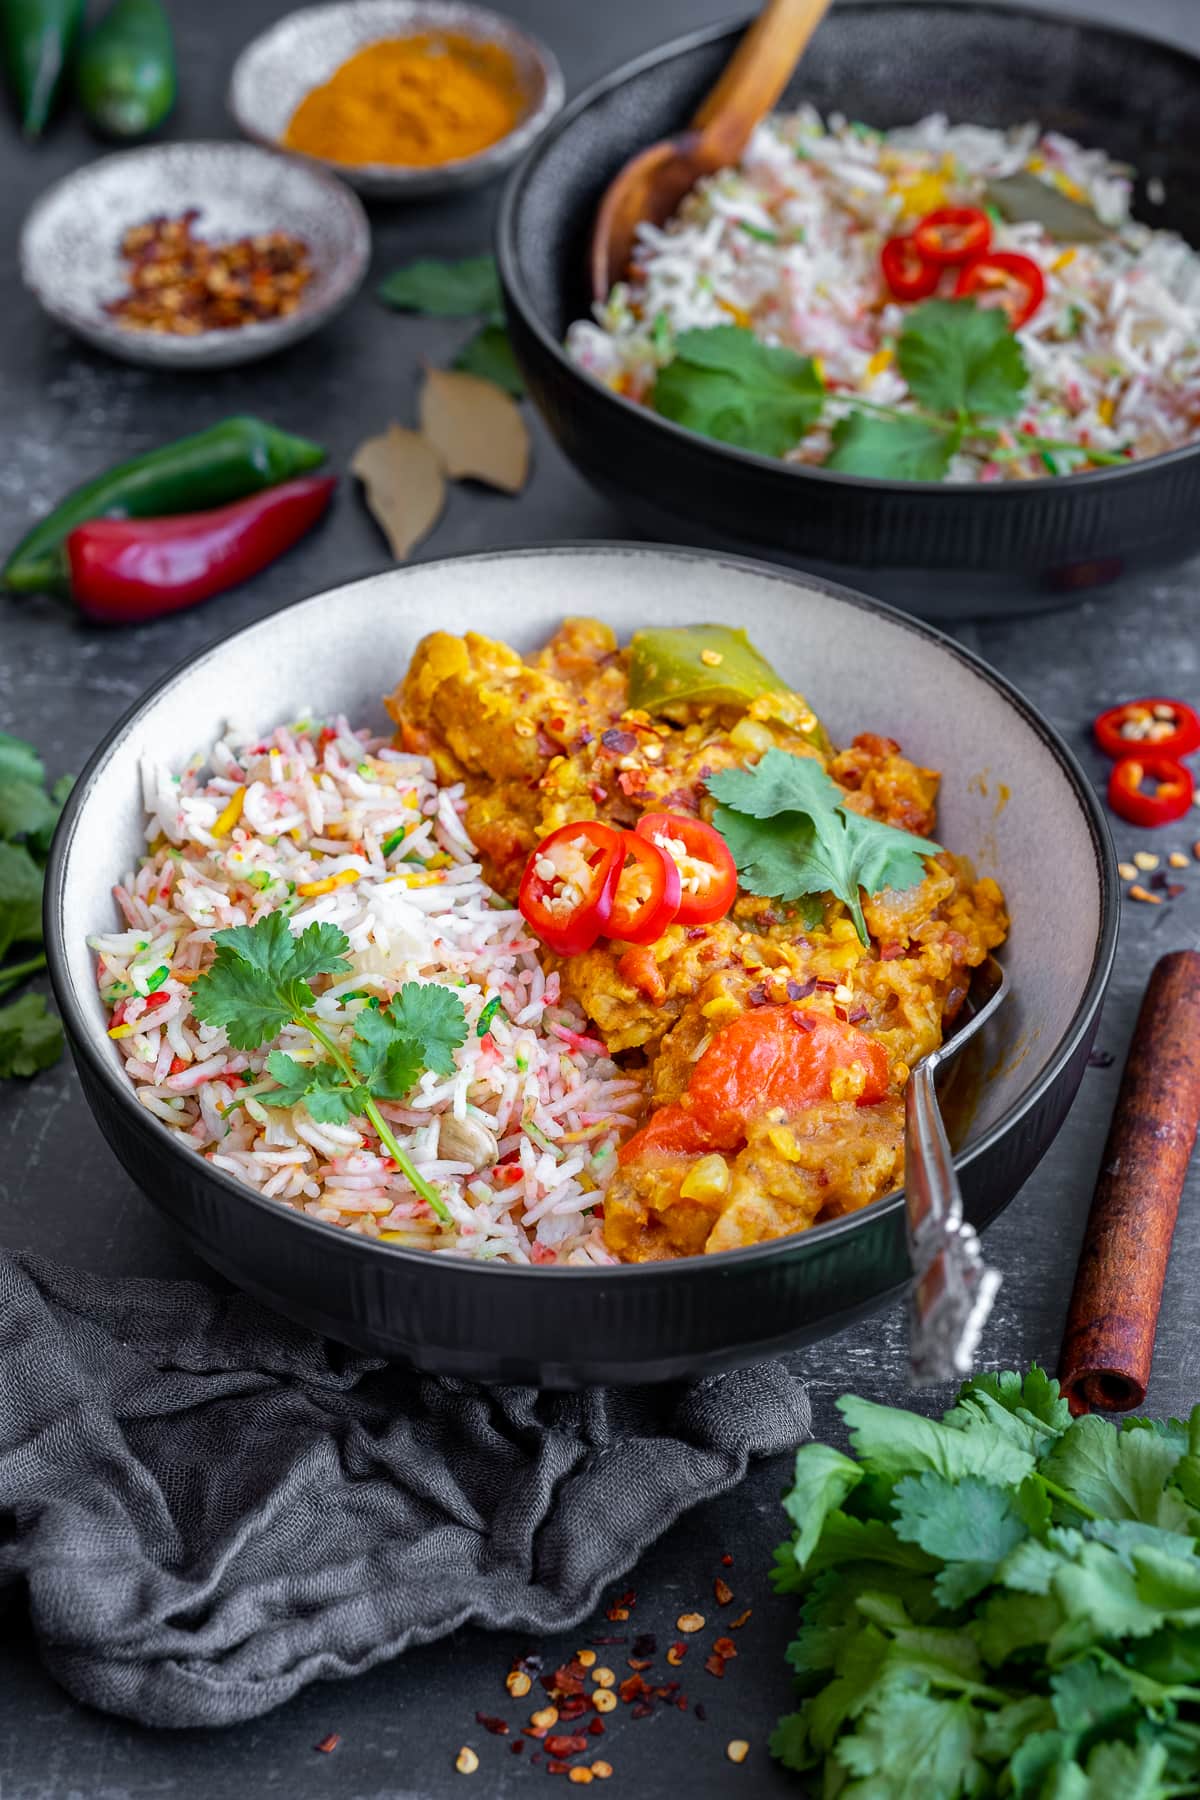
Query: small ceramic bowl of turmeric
x=401, y=98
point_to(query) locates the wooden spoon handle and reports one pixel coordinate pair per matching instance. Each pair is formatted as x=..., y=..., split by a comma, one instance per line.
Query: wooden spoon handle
x=753, y=79
x=1109, y=1339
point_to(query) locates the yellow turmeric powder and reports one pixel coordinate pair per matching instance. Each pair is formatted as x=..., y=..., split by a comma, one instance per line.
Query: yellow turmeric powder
x=421, y=100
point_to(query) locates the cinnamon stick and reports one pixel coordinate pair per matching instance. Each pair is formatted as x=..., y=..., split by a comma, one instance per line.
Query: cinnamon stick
x=1109, y=1339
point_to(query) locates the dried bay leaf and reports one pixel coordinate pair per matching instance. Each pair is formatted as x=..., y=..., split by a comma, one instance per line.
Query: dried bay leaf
x=405, y=487
x=476, y=429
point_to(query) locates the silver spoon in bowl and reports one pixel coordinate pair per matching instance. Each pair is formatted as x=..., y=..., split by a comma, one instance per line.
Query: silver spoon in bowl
x=952, y=1287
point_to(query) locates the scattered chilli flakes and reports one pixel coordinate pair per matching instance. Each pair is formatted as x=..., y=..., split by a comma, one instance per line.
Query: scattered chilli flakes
x=497, y=1727
x=722, y=1591
x=715, y=1665
x=632, y=1688
x=405, y=487
x=725, y=1647
x=476, y=429
x=676, y=1653
x=181, y=285
x=329, y=1744
x=562, y=1745
x=736, y=1624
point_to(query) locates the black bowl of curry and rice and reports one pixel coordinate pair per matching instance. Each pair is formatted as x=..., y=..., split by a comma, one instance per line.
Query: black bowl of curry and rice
x=1072, y=149
x=646, y=1159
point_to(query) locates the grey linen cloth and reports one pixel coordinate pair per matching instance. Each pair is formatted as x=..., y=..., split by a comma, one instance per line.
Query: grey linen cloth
x=211, y=1508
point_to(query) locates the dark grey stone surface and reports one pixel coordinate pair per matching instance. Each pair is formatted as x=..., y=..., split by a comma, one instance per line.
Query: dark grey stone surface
x=67, y=412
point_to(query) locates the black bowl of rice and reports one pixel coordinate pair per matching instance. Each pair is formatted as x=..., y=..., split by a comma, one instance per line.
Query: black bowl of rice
x=896, y=109
x=306, y=1216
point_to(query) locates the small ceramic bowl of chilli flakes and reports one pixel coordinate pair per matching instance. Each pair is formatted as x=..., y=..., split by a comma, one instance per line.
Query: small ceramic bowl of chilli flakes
x=401, y=98
x=195, y=256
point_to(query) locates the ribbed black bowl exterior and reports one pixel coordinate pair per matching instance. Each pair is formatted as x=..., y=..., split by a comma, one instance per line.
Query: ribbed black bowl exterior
x=562, y=1327
x=981, y=548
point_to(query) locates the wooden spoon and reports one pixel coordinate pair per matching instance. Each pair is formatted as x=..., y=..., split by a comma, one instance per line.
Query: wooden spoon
x=653, y=183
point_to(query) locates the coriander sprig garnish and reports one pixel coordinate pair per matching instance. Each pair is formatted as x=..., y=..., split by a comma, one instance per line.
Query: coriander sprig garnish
x=965, y=372
x=260, y=981
x=792, y=837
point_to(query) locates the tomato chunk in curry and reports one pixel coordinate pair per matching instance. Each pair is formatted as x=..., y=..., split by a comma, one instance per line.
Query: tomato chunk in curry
x=775, y=1053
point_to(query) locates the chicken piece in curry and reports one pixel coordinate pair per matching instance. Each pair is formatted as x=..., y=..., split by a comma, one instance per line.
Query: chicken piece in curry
x=774, y=1043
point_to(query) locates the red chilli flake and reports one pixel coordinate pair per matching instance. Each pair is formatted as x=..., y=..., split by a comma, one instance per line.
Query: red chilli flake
x=566, y=1680
x=640, y=1662
x=557, y=1768
x=642, y=1710
x=329, y=1744
x=573, y=1707
x=597, y=1726
x=676, y=1653
x=858, y=1014
x=736, y=1624
x=517, y=1745
x=560, y=1746
x=725, y=1647
x=722, y=1591
x=632, y=1688
x=727, y=1560
x=497, y=1727
x=715, y=1665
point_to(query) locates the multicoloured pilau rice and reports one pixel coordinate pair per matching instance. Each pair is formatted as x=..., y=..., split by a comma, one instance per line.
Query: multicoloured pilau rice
x=788, y=244
x=327, y=823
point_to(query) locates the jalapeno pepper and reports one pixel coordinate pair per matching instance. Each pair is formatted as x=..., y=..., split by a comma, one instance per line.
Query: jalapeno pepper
x=952, y=235
x=647, y=896
x=126, y=570
x=1150, y=789
x=38, y=39
x=708, y=874
x=1169, y=727
x=569, y=884
x=1005, y=279
x=237, y=457
x=906, y=271
x=126, y=73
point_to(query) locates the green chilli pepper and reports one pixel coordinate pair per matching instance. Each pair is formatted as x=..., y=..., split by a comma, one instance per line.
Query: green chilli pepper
x=38, y=37
x=702, y=665
x=126, y=74
x=237, y=457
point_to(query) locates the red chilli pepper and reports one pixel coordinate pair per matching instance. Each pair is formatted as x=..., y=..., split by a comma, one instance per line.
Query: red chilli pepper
x=906, y=271
x=569, y=885
x=953, y=234
x=1150, y=790
x=1167, y=727
x=648, y=892
x=1005, y=279
x=124, y=571
x=707, y=870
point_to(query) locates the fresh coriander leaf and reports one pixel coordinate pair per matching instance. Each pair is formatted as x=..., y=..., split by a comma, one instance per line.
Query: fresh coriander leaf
x=388, y=1059
x=1135, y=1772
x=1009, y=1623
x=791, y=1744
x=19, y=761
x=860, y=1661
x=1005, y=1731
x=961, y=358
x=1171, y=1657
x=933, y=1741
x=1117, y=1474
x=489, y=354
x=848, y=1540
x=823, y=1478
x=434, y=1017
x=299, y=1081
x=1085, y=1696
x=903, y=449
x=895, y=1443
x=259, y=980
x=20, y=897
x=1102, y=1601
x=26, y=811
x=31, y=1037
x=445, y=290
x=336, y=1104
x=726, y=384
x=785, y=1574
x=1045, y=1755
x=828, y=849
x=1126, y=1536
x=1032, y=1412
x=957, y=1521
